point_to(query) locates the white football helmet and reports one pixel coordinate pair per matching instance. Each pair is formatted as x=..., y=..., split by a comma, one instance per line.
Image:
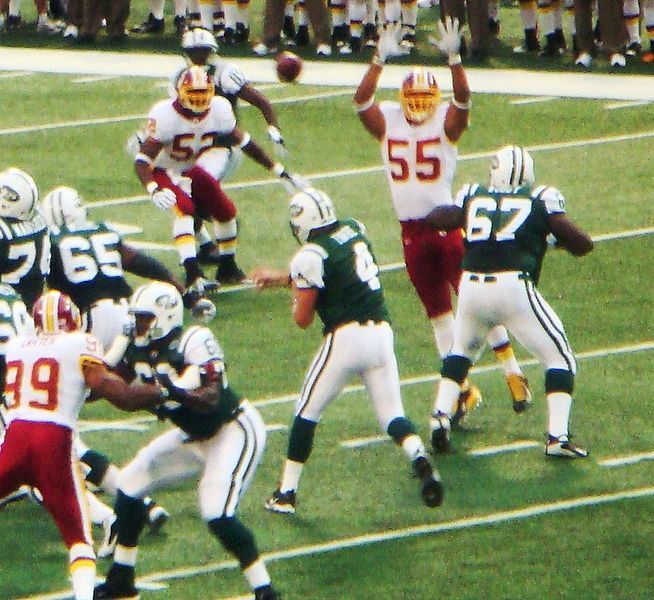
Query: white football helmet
x=511, y=167
x=18, y=194
x=310, y=209
x=64, y=206
x=419, y=95
x=195, y=89
x=198, y=37
x=55, y=312
x=161, y=301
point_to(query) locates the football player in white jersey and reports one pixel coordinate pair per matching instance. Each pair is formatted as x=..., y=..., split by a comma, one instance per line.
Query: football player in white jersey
x=179, y=131
x=217, y=435
x=47, y=376
x=418, y=138
x=200, y=48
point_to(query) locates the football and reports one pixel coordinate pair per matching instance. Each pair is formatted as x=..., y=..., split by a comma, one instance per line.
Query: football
x=289, y=66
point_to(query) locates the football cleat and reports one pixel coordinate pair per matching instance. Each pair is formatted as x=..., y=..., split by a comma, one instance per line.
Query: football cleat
x=228, y=272
x=440, y=432
x=562, y=447
x=520, y=392
x=432, y=488
x=242, y=33
x=158, y=516
x=617, y=60
x=282, y=502
x=150, y=25
x=469, y=399
x=584, y=60
x=104, y=591
x=109, y=537
x=266, y=592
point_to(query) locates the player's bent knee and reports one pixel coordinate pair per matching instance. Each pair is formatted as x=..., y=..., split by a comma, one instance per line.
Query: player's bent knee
x=236, y=538
x=456, y=368
x=399, y=428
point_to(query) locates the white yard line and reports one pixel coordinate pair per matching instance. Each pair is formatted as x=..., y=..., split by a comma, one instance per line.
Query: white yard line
x=626, y=104
x=94, y=78
x=503, y=448
x=465, y=523
x=534, y=100
x=15, y=74
x=65, y=124
x=629, y=459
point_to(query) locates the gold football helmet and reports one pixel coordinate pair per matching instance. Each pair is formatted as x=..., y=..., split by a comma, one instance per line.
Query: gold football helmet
x=195, y=89
x=419, y=95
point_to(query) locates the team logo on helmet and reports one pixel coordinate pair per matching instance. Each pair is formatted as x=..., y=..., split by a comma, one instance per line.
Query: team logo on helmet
x=310, y=209
x=195, y=89
x=419, y=95
x=55, y=312
x=18, y=194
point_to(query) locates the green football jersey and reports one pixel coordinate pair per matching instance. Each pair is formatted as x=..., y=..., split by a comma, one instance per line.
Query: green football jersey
x=341, y=264
x=86, y=264
x=506, y=231
x=178, y=350
x=24, y=256
x=14, y=318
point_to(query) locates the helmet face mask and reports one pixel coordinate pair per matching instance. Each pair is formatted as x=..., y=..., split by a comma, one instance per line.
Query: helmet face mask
x=54, y=312
x=158, y=309
x=419, y=96
x=310, y=209
x=64, y=206
x=18, y=194
x=511, y=167
x=195, y=89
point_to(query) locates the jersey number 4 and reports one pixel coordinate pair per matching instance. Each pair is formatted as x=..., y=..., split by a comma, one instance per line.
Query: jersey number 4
x=43, y=381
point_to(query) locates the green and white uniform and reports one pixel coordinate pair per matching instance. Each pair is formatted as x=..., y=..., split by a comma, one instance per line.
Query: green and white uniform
x=358, y=336
x=86, y=265
x=24, y=256
x=505, y=245
x=224, y=445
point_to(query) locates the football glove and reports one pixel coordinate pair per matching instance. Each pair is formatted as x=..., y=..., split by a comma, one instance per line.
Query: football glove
x=450, y=40
x=389, y=42
x=276, y=138
x=292, y=182
x=164, y=198
x=134, y=141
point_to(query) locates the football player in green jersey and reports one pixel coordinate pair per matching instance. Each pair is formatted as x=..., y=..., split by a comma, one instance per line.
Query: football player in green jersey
x=508, y=226
x=334, y=275
x=24, y=242
x=217, y=435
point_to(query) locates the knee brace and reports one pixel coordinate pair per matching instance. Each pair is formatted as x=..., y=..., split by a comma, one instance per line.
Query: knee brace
x=399, y=428
x=236, y=538
x=456, y=368
x=300, y=441
x=559, y=380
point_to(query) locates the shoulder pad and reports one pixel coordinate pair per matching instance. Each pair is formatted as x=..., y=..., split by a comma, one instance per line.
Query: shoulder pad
x=198, y=346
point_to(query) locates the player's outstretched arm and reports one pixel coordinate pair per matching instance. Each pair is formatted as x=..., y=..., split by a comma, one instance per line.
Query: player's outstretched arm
x=130, y=397
x=263, y=277
x=139, y=263
x=569, y=235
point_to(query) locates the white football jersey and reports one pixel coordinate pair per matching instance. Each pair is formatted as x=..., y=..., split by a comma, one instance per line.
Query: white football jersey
x=44, y=380
x=419, y=161
x=185, y=138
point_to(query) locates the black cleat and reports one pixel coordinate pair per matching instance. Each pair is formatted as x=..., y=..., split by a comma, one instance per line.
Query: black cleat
x=228, y=272
x=282, y=503
x=150, y=25
x=242, y=33
x=105, y=592
x=208, y=254
x=266, y=592
x=432, y=488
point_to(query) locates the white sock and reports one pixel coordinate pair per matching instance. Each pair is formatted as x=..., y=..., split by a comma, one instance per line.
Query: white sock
x=443, y=327
x=257, y=574
x=447, y=396
x=291, y=477
x=558, y=404
x=82, y=571
x=413, y=447
x=157, y=8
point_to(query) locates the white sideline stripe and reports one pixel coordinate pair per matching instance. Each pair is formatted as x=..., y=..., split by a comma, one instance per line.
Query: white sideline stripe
x=534, y=100
x=503, y=448
x=89, y=426
x=629, y=233
x=64, y=124
x=317, y=96
x=495, y=518
x=94, y=78
x=126, y=228
x=629, y=459
x=627, y=104
x=378, y=168
x=14, y=74
x=629, y=349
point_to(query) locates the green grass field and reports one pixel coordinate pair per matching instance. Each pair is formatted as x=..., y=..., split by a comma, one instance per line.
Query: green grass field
x=513, y=525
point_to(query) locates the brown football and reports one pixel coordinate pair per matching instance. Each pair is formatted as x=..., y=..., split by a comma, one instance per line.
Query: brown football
x=289, y=66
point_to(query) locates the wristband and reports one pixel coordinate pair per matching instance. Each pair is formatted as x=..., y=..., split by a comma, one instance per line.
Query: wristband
x=278, y=169
x=365, y=105
x=376, y=61
x=151, y=187
x=453, y=59
x=140, y=157
x=461, y=105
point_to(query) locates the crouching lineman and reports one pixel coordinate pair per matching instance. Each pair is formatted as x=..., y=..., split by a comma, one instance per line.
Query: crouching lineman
x=334, y=274
x=47, y=376
x=217, y=435
x=179, y=131
x=507, y=225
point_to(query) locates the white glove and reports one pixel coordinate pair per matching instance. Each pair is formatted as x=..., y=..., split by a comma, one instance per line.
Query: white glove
x=133, y=143
x=164, y=198
x=293, y=183
x=450, y=40
x=276, y=138
x=389, y=42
